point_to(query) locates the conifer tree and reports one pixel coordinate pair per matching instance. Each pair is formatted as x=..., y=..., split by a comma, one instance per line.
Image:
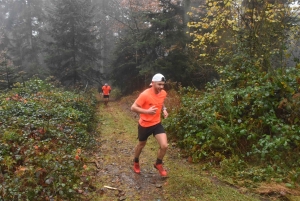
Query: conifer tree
x=21, y=21
x=155, y=41
x=72, y=53
x=8, y=72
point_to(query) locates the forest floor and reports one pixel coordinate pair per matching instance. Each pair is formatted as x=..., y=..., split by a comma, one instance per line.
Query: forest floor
x=114, y=178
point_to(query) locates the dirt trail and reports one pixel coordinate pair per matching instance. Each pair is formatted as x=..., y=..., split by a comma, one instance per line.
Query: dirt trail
x=115, y=154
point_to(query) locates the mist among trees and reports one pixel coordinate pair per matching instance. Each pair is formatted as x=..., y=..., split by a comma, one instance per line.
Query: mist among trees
x=90, y=42
x=64, y=39
x=83, y=42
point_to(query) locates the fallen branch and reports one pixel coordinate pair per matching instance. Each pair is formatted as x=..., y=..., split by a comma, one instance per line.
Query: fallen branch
x=96, y=163
x=109, y=187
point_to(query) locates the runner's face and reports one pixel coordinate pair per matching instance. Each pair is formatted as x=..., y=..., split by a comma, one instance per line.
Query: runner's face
x=158, y=86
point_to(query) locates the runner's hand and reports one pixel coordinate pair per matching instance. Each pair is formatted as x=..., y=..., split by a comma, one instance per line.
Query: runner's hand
x=152, y=110
x=166, y=114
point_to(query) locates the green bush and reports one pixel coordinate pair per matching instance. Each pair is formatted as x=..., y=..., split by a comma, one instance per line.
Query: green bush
x=116, y=94
x=43, y=133
x=257, y=122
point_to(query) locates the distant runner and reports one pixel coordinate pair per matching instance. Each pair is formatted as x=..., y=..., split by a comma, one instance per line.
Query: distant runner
x=149, y=105
x=106, y=89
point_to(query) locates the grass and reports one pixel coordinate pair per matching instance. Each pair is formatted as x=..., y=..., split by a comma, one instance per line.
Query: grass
x=188, y=182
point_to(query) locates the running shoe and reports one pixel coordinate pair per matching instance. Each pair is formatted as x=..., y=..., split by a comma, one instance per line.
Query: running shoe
x=161, y=170
x=136, y=168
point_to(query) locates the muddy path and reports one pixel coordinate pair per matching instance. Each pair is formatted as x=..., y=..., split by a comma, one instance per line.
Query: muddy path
x=115, y=154
x=115, y=180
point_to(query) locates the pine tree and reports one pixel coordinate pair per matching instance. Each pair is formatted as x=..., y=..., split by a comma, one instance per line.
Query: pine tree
x=8, y=72
x=155, y=42
x=21, y=21
x=72, y=53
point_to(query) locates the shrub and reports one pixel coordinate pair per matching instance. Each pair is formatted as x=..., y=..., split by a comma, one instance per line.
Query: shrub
x=258, y=122
x=44, y=132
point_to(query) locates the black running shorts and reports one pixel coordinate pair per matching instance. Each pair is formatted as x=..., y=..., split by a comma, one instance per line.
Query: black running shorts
x=145, y=132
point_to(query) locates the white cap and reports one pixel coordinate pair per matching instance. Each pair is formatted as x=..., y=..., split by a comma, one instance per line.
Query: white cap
x=158, y=78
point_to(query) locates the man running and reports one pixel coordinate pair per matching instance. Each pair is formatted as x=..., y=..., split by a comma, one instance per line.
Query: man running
x=149, y=105
x=106, y=89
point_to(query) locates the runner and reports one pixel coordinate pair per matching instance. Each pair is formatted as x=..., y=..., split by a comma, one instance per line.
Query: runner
x=106, y=89
x=149, y=105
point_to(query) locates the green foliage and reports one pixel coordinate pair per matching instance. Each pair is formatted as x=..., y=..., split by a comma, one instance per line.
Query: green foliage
x=43, y=134
x=116, y=94
x=249, y=116
x=256, y=31
x=258, y=123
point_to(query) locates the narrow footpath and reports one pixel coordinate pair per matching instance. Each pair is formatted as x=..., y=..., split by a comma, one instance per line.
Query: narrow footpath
x=115, y=179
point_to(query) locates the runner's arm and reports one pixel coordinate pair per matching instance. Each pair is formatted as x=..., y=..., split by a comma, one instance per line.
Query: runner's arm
x=136, y=108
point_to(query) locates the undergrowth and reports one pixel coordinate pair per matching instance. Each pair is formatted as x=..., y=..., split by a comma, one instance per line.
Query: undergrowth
x=43, y=134
x=250, y=132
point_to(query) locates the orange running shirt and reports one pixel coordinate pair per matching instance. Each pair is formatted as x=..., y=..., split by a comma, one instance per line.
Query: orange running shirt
x=106, y=90
x=147, y=99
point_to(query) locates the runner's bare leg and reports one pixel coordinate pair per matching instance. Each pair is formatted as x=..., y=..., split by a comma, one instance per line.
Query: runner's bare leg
x=138, y=149
x=163, y=145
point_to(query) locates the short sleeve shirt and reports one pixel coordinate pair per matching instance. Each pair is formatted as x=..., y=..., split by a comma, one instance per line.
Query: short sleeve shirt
x=106, y=90
x=147, y=99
